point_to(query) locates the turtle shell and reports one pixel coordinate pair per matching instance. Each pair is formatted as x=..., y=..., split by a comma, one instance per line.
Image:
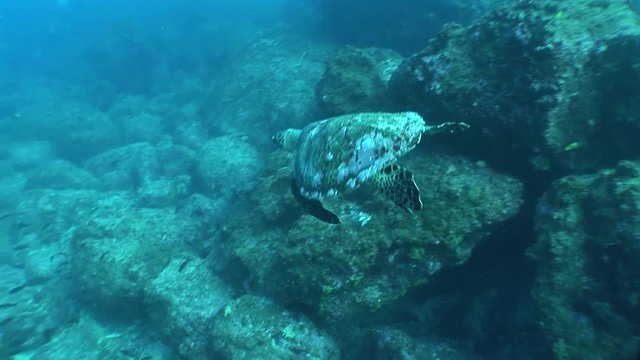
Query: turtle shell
x=340, y=153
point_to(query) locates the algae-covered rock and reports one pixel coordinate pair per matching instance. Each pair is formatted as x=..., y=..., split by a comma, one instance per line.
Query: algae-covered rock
x=182, y=301
x=548, y=78
x=191, y=134
x=588, y=229
x=253, y=327
x=495, y=74
x=30, y=311
x=90, y=340
x=273, y=199
x=60, y=174
x=384, y=343
x=28, y=155
x=141, y=127
x=44, y=223
x=154, y=118
x=270, y=85
x=379, y=252
x=228, y=165
x=402, y=25
x=593, y=126
x=355, y=80
x=209, y=216
x=164, y=192
x=134, y=166
x=78, y=130
x=120, y=248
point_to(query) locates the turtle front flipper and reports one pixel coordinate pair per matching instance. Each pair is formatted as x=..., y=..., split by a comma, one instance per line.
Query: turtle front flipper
x=448, y=126
x=313, y=207
x=397, y=184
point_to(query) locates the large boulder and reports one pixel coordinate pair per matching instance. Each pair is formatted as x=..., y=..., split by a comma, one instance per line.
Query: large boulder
x=355, y=80
x=28, y=155
x=401, y=25
x=549, y=79
x=382, y=343
x=43, y=226
x=77, y=129
x=253, y=327
x=160, y=175
x=119, y=249
x=61, y=174
x=270, y=85
x=182, y=302
x=348, y=271
x=228, y=166
x=31, y=311
x=587, y=290
x=90, y=339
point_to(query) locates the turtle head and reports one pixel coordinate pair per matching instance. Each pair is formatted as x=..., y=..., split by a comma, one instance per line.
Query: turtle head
x=278, y=138
x=287, y=139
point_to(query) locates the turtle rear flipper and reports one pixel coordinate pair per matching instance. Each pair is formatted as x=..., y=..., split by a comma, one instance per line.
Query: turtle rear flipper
x=313, y=207
x=397, y=184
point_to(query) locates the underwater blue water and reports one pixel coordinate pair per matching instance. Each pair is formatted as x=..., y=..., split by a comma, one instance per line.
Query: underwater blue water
x=320, y=179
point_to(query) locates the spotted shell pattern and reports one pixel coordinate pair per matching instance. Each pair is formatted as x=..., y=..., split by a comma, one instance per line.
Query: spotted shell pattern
x=340, y=153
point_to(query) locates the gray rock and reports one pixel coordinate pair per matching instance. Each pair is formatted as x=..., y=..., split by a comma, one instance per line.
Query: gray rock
x=44, y=222
x=348, y=271
x=210, y=216
x=182, y=301
x=271, y=84
x=589, y=244
x=252, y=327
x=228, y=166
x=165, y=192
x=191, y=134
x=89, y=340
x=120, y=248
x=29, y=155
x=384, y=343
x=78, y=130
x=132, y=166
x=60, y=174
x=141, y=127
x=28, y=318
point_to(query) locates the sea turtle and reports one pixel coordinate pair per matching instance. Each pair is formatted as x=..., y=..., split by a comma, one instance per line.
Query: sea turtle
x=340, y=153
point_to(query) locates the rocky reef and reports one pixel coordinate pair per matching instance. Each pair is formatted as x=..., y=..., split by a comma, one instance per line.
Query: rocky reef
x=402, y=25
x=346, y=272
x=531, y=76
x=554, y=83
x=149, y=216
x=273, y=332
x=356, y=80
x=586, y=252
x=270, y=85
